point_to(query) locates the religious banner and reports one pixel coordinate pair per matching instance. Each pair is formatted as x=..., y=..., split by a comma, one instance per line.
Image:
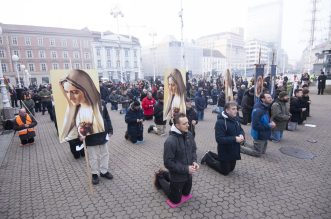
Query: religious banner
x=228, y=86
x=258, y=81
x=77, y=103
x=174, y=93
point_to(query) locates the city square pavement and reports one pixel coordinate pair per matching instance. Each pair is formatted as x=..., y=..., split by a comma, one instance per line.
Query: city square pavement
x=45, y=181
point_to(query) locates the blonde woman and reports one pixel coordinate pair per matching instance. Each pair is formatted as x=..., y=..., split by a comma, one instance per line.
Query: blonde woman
x=176, y=94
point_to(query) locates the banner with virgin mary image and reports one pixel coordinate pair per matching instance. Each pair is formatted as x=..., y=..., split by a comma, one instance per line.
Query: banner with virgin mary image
x=228, y=86
x=174, y=93
x=258, y=81
x=77, y=103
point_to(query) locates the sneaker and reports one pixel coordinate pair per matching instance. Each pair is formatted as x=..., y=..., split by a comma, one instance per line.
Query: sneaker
x=150, y=128
x=203, y=159
x=95, y=179
x=107, y=175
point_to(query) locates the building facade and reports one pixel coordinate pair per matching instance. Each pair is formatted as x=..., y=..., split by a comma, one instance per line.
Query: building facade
x=230, y=44
x=117, y=57
x=257, y=51
x=41, y=49
x=213, y=62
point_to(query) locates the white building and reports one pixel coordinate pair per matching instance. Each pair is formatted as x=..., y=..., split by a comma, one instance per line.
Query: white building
x=230, y=44
x=213, y=61
x=117, y=57
x=253, y=48
x=167, y=55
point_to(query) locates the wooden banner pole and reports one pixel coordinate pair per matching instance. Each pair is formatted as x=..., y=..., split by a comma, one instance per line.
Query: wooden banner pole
x=88, y=169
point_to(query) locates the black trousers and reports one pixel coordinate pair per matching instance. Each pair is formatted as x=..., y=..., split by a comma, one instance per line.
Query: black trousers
x=27, y=141
x=247, y=118
x=174, y=190
x=320, y=91
x=223, y=167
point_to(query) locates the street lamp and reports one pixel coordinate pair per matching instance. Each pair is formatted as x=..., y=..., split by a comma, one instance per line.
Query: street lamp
x=5, y=99
x=24, y=78
x=116, y=12
x=15, y=59
x=153, y=35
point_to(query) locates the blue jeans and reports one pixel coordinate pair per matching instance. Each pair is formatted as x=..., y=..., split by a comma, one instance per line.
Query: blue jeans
x=200, y=115
x=276, y=135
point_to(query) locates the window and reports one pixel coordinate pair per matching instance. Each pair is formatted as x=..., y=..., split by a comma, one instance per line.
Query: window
x=29, y=54
x=64, y=43
x=4, y=67
x=126, y=53
x=2, y=54
x=42, y=54
x=55, y=66
x=86, y=43
x=108, y=52
x=54, y=54
x=14, y=40
x=126, y=64
x=43, y=67
x=74, y=43
x=135, y=64
x=1, y=40
x=65, y=54
x=76, y=55
x=66, y=65
x=40, y=41
x=52, y=42
x=31, y=67
x=15, y=52
x=117, y=52
x=87, y=55
x=135, y=53
x=18, y=67
x=87, y=66
x=118, y=64
x=108, y=63
x=27, y=41
x=98, y=52
x=99, y=64
x=77, y=66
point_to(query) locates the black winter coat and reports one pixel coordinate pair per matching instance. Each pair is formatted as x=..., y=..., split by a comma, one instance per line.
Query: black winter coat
x=296, y=106
x=191, y=114
x=179, y=153
x=134, y=128
x=158, y=114
x=247, y=102
x=226, y=130
x=100, y=138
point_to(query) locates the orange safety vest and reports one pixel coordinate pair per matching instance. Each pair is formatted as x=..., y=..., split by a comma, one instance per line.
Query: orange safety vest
x=20, y=123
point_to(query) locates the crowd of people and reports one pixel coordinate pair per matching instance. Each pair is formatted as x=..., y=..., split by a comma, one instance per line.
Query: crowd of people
x=269, y=115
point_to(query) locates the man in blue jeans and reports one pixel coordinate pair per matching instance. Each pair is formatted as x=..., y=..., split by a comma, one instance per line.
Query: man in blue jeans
x=261, y=127
x=280, y=115
x=200, y=104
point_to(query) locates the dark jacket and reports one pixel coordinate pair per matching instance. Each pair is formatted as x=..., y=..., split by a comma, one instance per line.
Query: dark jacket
x=261, y=129
x=179, y=153
x=221, y=100
x=321, y=81
x=191, y=114
x=226, y=130
x=158, y=114
x=125, y=100
x=200, y=102
x=134, y=128
x=100, y=138
x=247, y=102
x=296, y=106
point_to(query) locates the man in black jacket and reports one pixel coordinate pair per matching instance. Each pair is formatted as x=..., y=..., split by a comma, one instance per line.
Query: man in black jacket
x=229, y=135
x=135, y=118
x=160, y=124
x=97, y=147
x=180, y=159
x=297, y=108
x=247, y=104
x=321, y=83
x=191, y=115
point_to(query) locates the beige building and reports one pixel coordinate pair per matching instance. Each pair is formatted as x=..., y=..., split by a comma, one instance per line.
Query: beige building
x=41, y=49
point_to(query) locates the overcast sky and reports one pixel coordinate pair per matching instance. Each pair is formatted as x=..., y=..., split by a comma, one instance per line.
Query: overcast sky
x=201, y=17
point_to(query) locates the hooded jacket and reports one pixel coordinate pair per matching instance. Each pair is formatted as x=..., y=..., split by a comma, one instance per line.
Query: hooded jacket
x=200, y=102
x=134, y=128
x=261, y=129
x=226, y=130
x=148, y=106
x=179, y=153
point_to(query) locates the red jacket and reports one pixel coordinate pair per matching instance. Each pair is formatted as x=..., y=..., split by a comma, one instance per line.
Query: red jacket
x=148, y=106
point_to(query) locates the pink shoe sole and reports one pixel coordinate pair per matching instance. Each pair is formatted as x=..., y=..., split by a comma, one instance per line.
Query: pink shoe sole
x=184, y=199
